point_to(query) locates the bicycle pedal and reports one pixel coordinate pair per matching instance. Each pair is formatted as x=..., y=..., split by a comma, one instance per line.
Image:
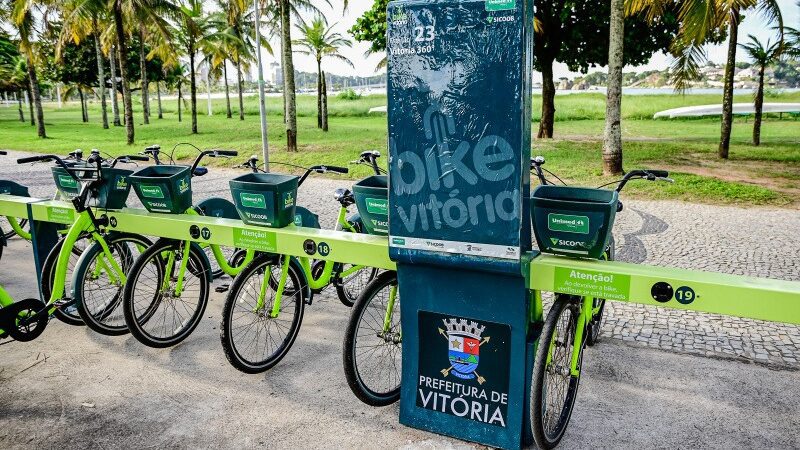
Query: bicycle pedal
x=222, y=288
x=64, y=303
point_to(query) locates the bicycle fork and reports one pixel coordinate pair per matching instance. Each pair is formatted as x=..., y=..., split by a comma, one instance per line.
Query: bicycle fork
x=276, y=305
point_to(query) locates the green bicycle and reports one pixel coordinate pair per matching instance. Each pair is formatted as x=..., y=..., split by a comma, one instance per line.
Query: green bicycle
x=101, y=186
x=168, y=284
x=265, y=306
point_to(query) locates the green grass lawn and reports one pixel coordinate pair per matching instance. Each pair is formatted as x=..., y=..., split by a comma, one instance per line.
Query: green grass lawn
x=765, y=175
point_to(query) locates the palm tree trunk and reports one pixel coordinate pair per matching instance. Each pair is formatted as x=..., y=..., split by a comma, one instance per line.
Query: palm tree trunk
x=143, y=69
x=759, y=106
x=612, y=138
x=101, y=73
x=158, y=94
x=123, y=71
x=192, y=86
x=84, y=119
x=36, y=98
x=239, y=83
x=19, y=106
x=180, y=99
x=319, y=93
x=324, y=102
x=112, y=63
x=227, y=89
x=283, y=65
x=548, y=99
x=288, y=79
x=727, y=96
x=29, y=98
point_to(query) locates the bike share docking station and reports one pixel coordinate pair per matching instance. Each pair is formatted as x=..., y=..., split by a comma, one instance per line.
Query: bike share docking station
x=459, y=227
x=459, y=92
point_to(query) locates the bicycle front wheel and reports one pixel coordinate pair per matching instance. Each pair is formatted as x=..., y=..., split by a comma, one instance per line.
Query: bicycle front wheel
x=68, y=314
x=349, y=287
x=554, y=387
x=372, y=343
x=253, y=337
x=159, y=311
x=99, y=288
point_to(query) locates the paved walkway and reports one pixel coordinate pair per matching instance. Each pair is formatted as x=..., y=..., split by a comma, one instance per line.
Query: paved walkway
x=753, y=241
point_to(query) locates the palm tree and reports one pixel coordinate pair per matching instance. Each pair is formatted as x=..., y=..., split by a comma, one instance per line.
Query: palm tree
x=196, y=28
x=320, y=41
x=82, y=19
x=284, y=11
x=218, y=48
x=700, y=19
x=22, y=15
x=612, y=137
x=761, y=56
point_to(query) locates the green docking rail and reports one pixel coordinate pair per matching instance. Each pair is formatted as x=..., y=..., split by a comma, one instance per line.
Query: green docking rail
x=691, y=290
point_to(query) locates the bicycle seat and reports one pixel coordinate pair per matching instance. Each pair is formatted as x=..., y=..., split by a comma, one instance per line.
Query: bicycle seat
x=200, y=171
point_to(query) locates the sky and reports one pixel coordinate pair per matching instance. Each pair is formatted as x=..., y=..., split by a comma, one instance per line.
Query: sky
x=753, y=24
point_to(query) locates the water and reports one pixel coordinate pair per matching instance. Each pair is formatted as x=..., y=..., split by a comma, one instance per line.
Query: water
x=668, y=91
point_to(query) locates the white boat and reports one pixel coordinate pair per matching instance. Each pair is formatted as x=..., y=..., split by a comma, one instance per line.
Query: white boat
x=716, y=110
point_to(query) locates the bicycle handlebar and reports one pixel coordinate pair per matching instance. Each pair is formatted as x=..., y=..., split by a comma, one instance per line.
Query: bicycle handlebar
x=335, y=169
x=137, y=158
x=3, y=152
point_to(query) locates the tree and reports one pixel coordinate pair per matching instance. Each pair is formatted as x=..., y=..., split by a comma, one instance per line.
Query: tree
x=576, y=33
x=285, y=11
x=320, y=42
x=22, y=15
x=762, y=56
x=82, y=20
x=371, y=27
x=612, y=136
x=13, y=73
x=70, y=63
x=194, y=27
x=122, y=53
x=700, y=21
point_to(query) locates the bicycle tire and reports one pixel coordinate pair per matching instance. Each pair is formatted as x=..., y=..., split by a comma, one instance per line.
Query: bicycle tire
x=596, y=324
x=10, y=234
x=347, y=296
x=364, y=390
x=292, y=300
x=138, y=319
x=105, y=316
x=68, y=315
x=548, y=437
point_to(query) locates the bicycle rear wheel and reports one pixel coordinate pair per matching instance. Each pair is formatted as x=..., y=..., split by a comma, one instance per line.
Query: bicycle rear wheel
x=554, y=388
x=98, y=291
x=350, y=287
x=156, y=314
x=372, y=351
x=253, y=340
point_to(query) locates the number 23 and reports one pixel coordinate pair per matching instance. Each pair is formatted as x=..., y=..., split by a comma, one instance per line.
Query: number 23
x=424, y=34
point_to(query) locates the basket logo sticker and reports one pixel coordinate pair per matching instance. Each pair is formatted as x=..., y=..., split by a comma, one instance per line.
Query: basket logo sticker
x=121, y=184
x=568, y=224
x=378, y=206
x=298, y=220
x=150, y=191
x=250, y=200
x=183, y=186
x=473, y=382
x=288, y=200
x=67, y=181
x=592, y=283
x=500, y=5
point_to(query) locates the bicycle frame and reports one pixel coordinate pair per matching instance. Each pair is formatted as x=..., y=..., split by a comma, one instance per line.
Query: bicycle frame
x=106, y=261
x=18, y=229
x=220, y=258
x=305, y=263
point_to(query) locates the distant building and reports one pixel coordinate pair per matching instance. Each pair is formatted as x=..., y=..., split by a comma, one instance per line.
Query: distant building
x=275, y=73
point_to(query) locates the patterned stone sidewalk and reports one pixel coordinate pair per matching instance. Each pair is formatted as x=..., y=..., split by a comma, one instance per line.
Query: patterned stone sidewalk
x=756, y=242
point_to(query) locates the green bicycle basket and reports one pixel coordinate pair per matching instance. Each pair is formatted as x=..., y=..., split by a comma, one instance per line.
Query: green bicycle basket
x=265, y=199
x=112, y=194
x=164, y=189
x=372, y=200
x=573, y=221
